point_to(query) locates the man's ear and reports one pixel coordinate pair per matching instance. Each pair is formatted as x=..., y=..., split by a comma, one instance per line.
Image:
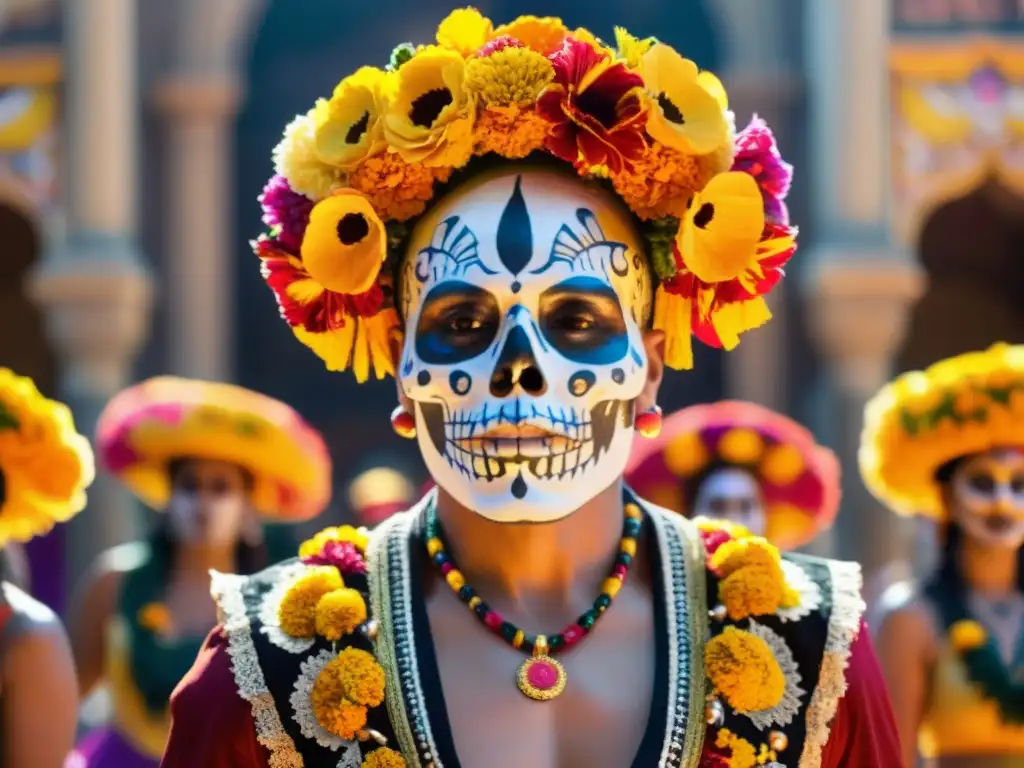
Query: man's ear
x=654, y=343
x=396, y=339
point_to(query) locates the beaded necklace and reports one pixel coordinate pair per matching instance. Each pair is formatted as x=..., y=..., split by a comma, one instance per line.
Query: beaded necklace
x=540, y=677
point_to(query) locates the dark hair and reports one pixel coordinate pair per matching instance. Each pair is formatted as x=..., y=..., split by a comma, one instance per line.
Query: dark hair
x=692, y=485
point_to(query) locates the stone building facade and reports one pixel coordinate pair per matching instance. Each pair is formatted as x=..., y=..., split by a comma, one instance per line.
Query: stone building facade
x=134, y=135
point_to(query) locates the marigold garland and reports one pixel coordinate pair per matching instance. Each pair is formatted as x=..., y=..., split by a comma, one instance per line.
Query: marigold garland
x=510, y=131
x=742, y=668
x=297, y=612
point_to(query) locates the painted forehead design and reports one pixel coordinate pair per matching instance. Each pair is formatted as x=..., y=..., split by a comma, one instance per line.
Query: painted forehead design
x=527, y=227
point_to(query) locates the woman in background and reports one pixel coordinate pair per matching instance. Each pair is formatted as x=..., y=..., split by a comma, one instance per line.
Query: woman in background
x=744, y=463
x=948, y=444
x=219, y=461
x=45, y=467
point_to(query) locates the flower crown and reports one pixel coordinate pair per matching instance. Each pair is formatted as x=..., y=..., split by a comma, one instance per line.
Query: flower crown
x=924, y=419
x=45, y=464
x=354, y=172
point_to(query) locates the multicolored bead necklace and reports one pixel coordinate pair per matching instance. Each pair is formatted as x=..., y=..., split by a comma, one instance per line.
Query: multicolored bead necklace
x=540, y=677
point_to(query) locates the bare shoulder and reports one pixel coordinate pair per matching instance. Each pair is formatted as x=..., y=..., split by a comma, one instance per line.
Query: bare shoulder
x=29, y=616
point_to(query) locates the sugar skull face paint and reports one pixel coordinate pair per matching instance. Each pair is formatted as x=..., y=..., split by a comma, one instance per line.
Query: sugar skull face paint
x=988, y=497
x=525, y=294
x=732, y=494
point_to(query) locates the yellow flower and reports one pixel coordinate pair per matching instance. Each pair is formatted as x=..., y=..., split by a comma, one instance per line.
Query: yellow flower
x=398, y=190
x=384, y=757
x=339, y=613
x=719, y=236
x=743, y=754
x=687, y=106
x=743, y=669
x=464, y=30
x=735, y=530
x=296, y=158
x=743, y=553
x=155, y=617
x=782, y=464
x=967, y=635
x=347, y=128
x=297, y=612
x=752, y=581
x=360, y=677
x=541, y=34
x=345, y=243
x=740, y=445
x=430, y=116
x=358, y=537
x=513, y=131
x=630, y=49
x=342, y=718
x=509, y=76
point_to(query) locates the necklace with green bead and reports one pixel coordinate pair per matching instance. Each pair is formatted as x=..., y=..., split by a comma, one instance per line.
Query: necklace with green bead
x=541, y=676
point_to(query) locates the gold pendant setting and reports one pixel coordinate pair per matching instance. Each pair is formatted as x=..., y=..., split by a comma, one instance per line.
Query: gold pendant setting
x=541, y=678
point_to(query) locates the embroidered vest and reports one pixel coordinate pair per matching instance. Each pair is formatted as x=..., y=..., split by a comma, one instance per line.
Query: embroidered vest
x=276, y=672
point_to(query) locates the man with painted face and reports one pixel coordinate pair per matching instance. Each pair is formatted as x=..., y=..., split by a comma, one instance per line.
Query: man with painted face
x=519, y=223
x=948, y=443
x=743, y=463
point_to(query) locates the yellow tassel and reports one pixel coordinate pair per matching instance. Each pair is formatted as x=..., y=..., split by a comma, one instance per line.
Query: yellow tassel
x=672, y=315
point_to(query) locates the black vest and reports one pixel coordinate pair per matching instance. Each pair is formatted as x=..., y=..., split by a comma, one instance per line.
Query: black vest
x=275, y=672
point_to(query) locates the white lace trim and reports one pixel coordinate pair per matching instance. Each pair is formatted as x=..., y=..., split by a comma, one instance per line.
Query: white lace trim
x=810, y=593
x=302, y=705
x=227, y=592
x=789, y=706
x=270, y=625
x=847, y=606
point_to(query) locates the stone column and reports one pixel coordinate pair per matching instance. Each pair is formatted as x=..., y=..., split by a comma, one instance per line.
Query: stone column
x=857, y=283
x=92, y=282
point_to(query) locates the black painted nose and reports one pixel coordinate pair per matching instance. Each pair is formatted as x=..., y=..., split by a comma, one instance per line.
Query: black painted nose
x=517, y=366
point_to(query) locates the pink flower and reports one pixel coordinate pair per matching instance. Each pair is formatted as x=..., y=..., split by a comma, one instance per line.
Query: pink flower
x=341, y=554
x=758, y=154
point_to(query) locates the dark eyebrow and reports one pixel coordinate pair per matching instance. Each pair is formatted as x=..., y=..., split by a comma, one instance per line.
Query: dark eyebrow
x=582, y=286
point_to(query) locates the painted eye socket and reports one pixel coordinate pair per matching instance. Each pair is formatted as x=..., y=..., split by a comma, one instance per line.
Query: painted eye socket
x=464, y=324
x=458, y=322
x=981, y=483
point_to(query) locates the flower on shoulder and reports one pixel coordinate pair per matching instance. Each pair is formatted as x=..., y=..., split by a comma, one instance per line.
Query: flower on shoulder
x=509, y=74
x=742, y=753
x=358, y=537
x=631, y=49
x=687, y=106
x=752, y=580
x=743, y=669
x=155, y=617
x=967, y=635
x=384, y=757
x=339, y=613
x=595, y=108
x=296, y=158
x=430, y=114
x=758, y=155
x=343, y=555
x=297, y=612
x=347, y=128
x=464, y=30
x=541, y=34
x=343, y=690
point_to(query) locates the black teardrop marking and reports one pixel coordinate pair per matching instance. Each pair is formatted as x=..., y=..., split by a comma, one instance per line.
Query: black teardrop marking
x=515, y=235
x=519, y=486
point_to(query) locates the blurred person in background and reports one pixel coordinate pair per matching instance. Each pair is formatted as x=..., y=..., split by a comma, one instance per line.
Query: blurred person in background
x=45, y=468
x=488, y=220
x=219, y=461
x=378, y=493
x=948, y=443
x=740, y=462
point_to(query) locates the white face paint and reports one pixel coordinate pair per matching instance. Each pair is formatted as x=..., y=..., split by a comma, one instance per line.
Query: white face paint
x=525, y=294
x=732, y=494
x=208, y=504
x=988, y=498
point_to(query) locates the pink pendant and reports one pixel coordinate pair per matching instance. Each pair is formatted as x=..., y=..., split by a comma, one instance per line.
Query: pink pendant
x=541, y=678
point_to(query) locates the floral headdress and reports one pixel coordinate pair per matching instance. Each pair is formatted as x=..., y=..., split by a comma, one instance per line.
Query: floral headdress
x=355, y=172
x=799, y=478
x=45, y=465
x=924, y=419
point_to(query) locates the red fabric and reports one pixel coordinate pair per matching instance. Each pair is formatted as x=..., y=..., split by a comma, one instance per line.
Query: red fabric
x=212, y=725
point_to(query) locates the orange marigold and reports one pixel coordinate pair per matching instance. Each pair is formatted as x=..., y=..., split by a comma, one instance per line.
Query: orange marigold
x=743, y=668
x=339, y=613
x=511, y=131
x=661, y=182
x=359, y=676
x=397, y=190
x=297, y=612
x=384, y=757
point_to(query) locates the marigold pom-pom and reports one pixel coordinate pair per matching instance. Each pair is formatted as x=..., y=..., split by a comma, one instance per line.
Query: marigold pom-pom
x=297, y=612
x=384, y=757
x=345, y=243
x=360, y=676
x=743, y=669
x=782, y=464
x=686, y=455
x=741, y=445
x=339, y=613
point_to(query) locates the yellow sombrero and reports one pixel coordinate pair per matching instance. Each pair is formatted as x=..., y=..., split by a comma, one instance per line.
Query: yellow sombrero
x=166, y=418
x=924, y=419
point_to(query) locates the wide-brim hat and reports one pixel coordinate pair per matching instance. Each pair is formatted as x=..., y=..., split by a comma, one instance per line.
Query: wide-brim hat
x=923, y=420
x=799, y=479
x=147, y=426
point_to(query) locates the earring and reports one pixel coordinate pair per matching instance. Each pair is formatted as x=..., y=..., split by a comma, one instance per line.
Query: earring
x=648, y=423
x=404, y=423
